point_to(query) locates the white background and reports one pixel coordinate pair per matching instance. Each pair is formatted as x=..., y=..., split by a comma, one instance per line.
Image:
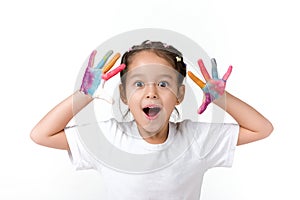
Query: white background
x=44, y=43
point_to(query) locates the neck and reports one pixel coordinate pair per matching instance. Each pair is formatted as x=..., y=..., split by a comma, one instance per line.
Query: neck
x=155, y=138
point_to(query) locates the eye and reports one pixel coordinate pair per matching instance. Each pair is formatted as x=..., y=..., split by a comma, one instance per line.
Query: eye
x=139, y=84
x=163, y=84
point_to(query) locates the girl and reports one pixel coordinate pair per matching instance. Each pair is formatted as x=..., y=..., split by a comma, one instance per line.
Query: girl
x=152, y=75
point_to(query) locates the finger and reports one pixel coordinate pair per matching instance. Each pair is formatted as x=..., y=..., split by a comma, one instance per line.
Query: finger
x=111, y=63
x=104, y=59
x=207, y=100
x=202, y=108
x=200, y=83
x=227, y=74
x=91, y=59
x=214, y=69
x=112, y=73
x=203, y=70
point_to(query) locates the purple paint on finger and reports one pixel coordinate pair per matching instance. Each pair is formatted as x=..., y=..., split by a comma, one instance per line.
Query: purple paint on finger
x=91, y=59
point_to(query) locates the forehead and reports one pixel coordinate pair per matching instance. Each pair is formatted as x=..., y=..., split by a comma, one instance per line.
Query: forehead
x=146, y=58
x=151, y=72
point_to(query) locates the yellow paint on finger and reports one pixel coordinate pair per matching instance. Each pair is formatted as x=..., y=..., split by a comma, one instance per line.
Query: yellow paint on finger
x=111, y=63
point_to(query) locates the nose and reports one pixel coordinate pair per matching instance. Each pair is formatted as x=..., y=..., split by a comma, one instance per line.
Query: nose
x=151, y=92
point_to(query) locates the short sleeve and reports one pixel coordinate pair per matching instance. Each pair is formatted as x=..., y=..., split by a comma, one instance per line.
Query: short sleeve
x=87, y=143
x=78, y=155
x=221, y=153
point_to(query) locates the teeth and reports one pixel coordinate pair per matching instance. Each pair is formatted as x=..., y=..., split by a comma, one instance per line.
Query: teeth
x=151, y=111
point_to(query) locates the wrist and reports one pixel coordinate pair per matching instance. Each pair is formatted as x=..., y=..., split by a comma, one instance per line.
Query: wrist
x=221, y=100
x=79, y=101
x=79, y=94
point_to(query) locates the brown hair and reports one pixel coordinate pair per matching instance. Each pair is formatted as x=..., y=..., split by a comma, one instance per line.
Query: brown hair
x=168, y=52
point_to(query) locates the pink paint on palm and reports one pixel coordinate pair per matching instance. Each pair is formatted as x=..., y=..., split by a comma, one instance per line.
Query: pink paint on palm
x=214, y=87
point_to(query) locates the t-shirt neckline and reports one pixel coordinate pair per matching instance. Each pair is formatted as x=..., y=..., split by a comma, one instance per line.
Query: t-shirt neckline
x=154, y=147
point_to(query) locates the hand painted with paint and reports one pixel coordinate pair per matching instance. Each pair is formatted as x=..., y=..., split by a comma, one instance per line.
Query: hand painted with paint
x=214, y=87
x=93, y=75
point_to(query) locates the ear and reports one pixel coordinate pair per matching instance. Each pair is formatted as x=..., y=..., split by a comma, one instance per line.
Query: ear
x=122, y=94
x=181, y=92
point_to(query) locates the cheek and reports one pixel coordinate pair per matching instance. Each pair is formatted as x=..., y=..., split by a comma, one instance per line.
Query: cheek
x=133, y=97
x=171, y=93
x=127, y=92
x=169, y=99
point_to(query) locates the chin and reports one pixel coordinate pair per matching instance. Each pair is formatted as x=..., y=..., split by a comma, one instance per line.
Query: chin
x=153, y=127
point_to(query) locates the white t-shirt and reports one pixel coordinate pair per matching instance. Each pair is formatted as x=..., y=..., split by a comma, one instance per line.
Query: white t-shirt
x=135, y=169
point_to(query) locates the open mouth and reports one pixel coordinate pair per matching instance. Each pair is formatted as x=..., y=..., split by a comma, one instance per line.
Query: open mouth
x=151, y=111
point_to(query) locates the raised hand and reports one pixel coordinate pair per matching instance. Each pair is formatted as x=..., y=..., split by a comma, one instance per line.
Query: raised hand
x=93, y=75
x=214, y=87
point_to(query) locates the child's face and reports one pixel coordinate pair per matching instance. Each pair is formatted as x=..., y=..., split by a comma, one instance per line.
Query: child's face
x=151, y=91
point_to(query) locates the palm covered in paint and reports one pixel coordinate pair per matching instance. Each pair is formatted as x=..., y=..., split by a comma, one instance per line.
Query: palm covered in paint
x=214, y=86
x=94, y=75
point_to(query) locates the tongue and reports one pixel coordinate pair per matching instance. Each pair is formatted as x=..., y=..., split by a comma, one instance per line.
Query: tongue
x=153, y=111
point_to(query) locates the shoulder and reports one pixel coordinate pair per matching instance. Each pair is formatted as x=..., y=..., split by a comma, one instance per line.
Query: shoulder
x=188, y=125
x=204, y=127
x=204, y=135
x=109, y=124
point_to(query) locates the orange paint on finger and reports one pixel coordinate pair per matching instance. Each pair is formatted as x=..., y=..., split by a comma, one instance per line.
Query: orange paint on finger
x=111, y=63
x=200, y=83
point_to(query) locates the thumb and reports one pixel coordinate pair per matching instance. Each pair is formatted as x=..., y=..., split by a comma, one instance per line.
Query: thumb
x=206, y=100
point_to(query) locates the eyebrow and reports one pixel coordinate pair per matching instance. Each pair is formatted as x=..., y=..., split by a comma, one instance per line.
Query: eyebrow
x=143, y=75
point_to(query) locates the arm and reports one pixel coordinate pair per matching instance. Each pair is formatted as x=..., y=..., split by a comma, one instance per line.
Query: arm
x=50, y=130
x=253, y=125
